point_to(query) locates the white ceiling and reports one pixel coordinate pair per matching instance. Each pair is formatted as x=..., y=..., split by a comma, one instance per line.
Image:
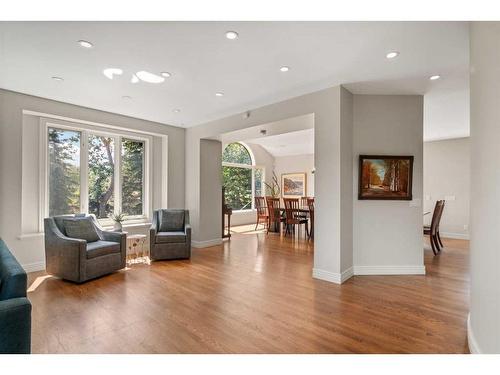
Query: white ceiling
x=287, y=144
x=202, y=61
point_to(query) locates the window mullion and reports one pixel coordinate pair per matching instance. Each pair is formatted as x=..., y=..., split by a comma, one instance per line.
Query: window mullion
x=118, y=175
x=84, y=175
x=253, y=188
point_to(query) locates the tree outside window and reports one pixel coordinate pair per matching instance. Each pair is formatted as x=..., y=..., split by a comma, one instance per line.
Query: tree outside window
x=65, y=174
x=242, y=180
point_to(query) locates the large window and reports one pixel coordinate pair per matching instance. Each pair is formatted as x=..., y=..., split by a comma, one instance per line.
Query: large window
x=96, y=172
x=241, y=179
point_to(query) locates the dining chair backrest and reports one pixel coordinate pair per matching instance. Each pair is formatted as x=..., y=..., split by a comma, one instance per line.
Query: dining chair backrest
x=303, y=201
x=440, y=214
x=310, y=206
x=260, y=206
x=273, y=207
x=291, y=208
x=436, y=216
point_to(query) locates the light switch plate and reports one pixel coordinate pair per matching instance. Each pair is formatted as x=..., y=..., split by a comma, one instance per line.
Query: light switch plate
x=417, y=202
x=427, y=197
x=449, y=198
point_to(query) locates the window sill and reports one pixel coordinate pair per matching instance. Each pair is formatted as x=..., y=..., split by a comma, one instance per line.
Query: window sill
x=107, y=227
x=236, y=212
x=128, y=225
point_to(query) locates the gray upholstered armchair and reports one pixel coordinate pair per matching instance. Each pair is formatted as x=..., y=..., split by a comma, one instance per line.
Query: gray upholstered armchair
x=170, y=235
x=15, y=309
x=78, y=249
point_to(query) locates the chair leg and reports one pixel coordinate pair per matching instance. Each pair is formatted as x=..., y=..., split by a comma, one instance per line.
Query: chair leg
x=432, y=245
x=257, y=224
x=439, y=239
x=307, y=230
x=438, y=248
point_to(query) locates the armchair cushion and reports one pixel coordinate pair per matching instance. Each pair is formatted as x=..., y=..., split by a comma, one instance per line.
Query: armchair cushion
x=171, y=220
x=171, y=237
x=100, y=248
x=81, y=228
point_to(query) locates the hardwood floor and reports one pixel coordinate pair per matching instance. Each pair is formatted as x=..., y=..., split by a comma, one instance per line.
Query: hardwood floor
x=254, y=295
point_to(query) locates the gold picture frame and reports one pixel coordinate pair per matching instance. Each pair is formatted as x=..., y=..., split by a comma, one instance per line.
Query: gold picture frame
x=293, y=185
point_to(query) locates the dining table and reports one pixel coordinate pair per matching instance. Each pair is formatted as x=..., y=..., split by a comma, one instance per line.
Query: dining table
x=274, y=227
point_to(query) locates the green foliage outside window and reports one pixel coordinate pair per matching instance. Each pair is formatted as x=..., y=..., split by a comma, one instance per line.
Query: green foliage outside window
x=64, y=171
x=64, y=174
x=101, y=176
x=238, y=180
x=236, y=153
x=238, y=184
x=132, y=177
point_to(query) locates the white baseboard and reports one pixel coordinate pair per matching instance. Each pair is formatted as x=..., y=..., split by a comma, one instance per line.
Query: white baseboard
x=389, y=270
x=473, y=346
x=208, y=243
x=33, y=267
x=456, y=236
x=333, y=277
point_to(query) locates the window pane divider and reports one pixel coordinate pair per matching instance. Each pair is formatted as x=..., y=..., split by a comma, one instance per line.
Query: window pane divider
x=117, y=175
x=84, y=171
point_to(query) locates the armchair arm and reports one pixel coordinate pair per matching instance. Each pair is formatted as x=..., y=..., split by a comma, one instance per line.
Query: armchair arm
x=15, y=326
x=64, y=256
x=187, y=227
x=153, y=230
x=187, y=231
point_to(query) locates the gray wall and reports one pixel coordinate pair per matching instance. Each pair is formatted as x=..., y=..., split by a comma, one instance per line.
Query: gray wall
x=388, y=234
x=210, y=187
x=447, y=175
x=484, y=327
x=30, y=250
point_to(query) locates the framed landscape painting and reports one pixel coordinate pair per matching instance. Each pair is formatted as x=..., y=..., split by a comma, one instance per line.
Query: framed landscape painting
x=385, y=177
x=293, y=185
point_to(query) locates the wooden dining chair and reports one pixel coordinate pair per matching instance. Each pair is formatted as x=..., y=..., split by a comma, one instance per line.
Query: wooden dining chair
x=433, y=230
x=273, y=209
x=260, y=206
x=310, y=206
x=438, y=235
x=292, y=215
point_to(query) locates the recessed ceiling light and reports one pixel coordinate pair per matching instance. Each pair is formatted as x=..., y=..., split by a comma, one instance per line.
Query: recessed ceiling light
x=176, y=110
x=284, y=69
x=85, y=44
x=126, y=97
x=111, y=72
x=166, y=74
x=232, y=35
x=433, y=78
x=219, y=94
x=59, y=79
x=149, y=77
x=392, y=55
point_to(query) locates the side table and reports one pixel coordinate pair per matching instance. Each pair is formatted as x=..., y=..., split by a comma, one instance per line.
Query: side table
x=136, y=252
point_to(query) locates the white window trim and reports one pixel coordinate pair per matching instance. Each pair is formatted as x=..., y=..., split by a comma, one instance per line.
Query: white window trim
x=253, y=167
x=85, y=130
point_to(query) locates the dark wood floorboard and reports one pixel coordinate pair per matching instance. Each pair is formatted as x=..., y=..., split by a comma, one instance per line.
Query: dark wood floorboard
x=254, y=294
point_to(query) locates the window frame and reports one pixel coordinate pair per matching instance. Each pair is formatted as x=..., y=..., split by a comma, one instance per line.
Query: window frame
x=252, y=166
x=85, y=131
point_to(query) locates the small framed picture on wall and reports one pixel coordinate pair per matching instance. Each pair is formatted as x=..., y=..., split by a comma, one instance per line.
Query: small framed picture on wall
x=293, y=185
x=385, y=177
